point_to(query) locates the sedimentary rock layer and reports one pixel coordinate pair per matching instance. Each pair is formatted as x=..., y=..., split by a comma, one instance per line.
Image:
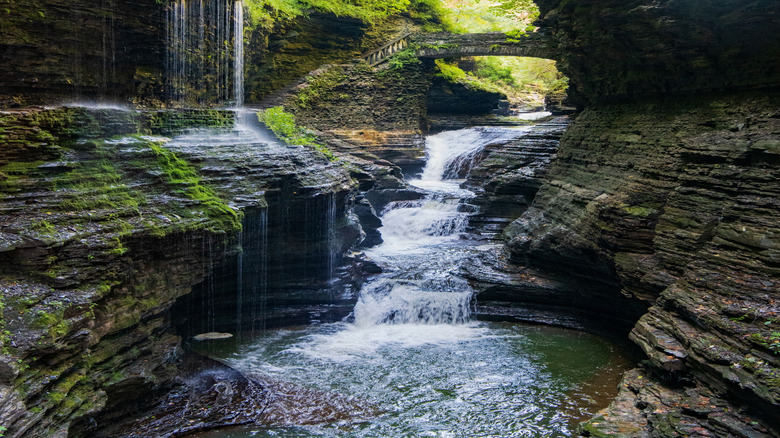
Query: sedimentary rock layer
x=672, y=202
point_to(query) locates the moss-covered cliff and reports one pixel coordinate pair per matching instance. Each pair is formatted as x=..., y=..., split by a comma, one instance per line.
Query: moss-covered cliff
x=104, y=228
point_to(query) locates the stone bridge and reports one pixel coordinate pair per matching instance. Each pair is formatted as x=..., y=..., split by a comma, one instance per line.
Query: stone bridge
x=448, y=45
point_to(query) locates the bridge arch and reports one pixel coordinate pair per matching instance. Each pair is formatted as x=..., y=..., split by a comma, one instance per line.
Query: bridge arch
x=448, y=45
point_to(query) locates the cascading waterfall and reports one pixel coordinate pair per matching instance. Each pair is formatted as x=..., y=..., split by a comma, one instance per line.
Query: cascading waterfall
x=421, y=245
x=205, y=62
x=238, y=50
x=451, y=154
x=252, y=272
x=412, y=355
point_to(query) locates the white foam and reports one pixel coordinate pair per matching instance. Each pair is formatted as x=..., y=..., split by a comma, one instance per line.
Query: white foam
x=363, y=342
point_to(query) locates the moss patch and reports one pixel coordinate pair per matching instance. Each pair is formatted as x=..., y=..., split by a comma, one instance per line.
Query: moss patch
x=283, y=125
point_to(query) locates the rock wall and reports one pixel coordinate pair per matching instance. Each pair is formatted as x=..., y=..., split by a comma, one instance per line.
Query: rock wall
x=508, y=176
x=286, y=53
x=371, y=112
x=101, y=234
x=659, y=213
x=65, y=50
x=615, y=50
x=445, y=97
x=670, y=202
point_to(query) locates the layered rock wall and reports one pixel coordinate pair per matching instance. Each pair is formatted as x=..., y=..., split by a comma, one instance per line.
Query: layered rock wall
x=103, y=230
x=671, y=202
x=660, y=211
x=379, y=112
x=614, y=50
x=65, y=50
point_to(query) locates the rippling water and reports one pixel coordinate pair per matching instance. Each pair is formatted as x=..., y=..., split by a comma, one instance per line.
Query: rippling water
x=446, y=380
x=411, y=363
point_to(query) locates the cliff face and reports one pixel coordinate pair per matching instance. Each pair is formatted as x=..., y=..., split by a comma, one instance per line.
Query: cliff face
x=103, y=230
x=57, y=50
x=369, y=112
x=283, y=55
x=670, y=202
x=660, y=211
x=615, y=50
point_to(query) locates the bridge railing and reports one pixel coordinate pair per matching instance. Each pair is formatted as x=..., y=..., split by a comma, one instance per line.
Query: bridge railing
x=381, y=54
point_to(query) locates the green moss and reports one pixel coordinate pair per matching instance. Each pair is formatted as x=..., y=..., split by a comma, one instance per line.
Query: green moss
x=52, y=320
x=403, y=59
x=182, y=175
x=636, y=210
x=283, y=125
x=265, y=12
x=591, y=428
x=171, y=122
x=19, y=168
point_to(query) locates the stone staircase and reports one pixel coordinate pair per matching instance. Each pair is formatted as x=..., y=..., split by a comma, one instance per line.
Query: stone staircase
x=381, y=54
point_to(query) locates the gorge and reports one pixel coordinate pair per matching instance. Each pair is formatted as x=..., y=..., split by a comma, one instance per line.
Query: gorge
x=144, y=203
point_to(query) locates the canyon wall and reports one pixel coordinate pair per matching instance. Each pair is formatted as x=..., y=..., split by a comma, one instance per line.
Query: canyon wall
x=65, y=50
x=660, y=211
x=104, y=228
x=615, y=50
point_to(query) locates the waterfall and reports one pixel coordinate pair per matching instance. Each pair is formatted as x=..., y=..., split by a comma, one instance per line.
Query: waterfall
x=251, y=274
x=406, y=302
x=252, y=271
x=108, y=47
x=205, y=59
x=451, y=154
x=421, y=248
x=331, y=239
x=238, y=50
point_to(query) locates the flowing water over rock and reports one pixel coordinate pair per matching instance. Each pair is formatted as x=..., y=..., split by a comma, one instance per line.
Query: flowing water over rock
x=411, y=357
x=205, y=59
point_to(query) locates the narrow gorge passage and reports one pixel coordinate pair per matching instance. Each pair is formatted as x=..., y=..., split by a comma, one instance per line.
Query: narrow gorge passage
x=220, y=213
x=411, y=356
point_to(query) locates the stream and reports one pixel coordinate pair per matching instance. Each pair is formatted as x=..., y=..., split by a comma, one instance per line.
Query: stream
x=411, y=357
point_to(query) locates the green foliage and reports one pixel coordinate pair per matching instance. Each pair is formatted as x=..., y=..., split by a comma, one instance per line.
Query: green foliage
x=403, y=59
x=495, y=72
x=453, y=73
x=449, y=71
x=263, y=13
x=465, y=16
x=283, y=125
x=429, y=14
x=522, y=79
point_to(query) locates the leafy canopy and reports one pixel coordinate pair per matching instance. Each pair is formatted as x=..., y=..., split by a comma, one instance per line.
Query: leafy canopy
x=455, y=15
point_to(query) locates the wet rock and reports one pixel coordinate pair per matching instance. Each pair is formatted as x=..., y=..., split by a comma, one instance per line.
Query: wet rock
x=210, y=336
x=672, y=209
x=205, y=395
x=97, y=251
x=645, y=407
x=64, y=50
x=369, y=222
x=508, y=175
